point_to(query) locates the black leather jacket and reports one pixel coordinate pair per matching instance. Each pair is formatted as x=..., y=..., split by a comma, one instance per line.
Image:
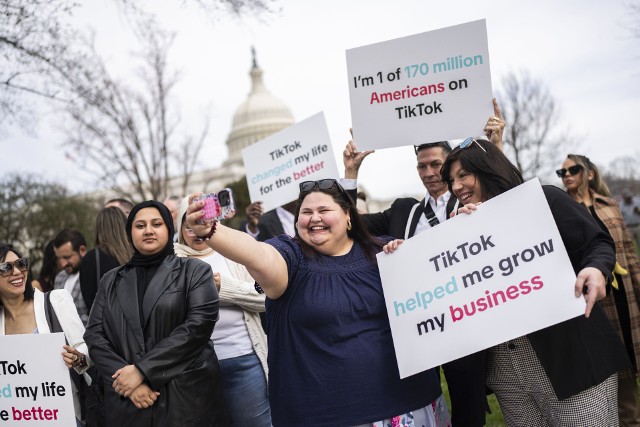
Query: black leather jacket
x=173, y=351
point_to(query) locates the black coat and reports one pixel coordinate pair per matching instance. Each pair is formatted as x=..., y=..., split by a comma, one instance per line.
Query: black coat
x=269, y=226
x=580, y=353
x=173, y=351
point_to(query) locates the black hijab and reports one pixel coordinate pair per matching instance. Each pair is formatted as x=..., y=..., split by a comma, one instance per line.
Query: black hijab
x=139, y=259
x=147, y=265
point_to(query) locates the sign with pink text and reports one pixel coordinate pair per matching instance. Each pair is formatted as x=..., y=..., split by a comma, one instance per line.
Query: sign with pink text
x=478, y=280
x=278, y=164
x=428, y=87
x=35, y=387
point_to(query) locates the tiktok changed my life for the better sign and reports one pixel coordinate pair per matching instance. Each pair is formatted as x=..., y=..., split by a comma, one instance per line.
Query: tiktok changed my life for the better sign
x=478, y=280
x=35, y=387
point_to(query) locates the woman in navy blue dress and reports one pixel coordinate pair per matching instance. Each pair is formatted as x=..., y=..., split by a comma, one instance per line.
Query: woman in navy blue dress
x=331, y=356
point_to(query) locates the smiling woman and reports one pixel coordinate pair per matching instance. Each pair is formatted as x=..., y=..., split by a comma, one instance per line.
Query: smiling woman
x=560, y=385
x=22, y=311
x=149, y=332
x=326, y=318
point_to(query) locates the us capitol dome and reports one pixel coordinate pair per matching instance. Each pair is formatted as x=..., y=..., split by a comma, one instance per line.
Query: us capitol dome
x=259, y=116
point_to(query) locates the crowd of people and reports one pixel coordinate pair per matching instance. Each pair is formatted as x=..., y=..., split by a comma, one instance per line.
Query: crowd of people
x=175, y=321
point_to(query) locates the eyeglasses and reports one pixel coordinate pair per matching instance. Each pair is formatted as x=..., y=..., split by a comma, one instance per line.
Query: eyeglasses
x=467, y=143
x=443, y=144
x=572, y=171
x=6, y=268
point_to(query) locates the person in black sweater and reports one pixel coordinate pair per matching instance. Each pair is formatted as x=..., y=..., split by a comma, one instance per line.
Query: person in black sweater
x=112, y=249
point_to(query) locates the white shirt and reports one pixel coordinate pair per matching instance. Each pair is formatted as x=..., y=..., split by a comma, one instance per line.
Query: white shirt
x=439, y=207
x=230, y=336
x=286, y=218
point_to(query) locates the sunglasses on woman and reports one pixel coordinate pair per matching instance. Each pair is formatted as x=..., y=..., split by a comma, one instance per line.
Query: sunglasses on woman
x=467, y=143
x=572, y=171
x=324, y=184
x=6, y=268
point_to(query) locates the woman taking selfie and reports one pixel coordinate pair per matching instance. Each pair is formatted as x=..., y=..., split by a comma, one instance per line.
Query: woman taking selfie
x=565, y=374
x=331, y=356
x=149, y=330
x=584, y=184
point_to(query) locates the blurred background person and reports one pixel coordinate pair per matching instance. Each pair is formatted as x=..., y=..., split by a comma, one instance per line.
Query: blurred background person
x=173, y=204
x=265, y=225
x=584, y=184
x=70, y=247
x=22, y=311
x=238, y=338
x=50, y=268
x=123, y=204
x=630, y=207
x=112, y=249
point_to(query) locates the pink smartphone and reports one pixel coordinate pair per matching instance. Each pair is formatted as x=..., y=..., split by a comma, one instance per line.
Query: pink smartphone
x=217, y=206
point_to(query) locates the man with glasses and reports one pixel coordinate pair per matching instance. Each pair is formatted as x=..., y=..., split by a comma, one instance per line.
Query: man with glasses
x=407, y=217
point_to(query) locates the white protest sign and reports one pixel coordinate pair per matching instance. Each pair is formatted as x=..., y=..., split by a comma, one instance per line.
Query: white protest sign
x=278, y=164
x=478, y=280
x=423, y=88
x=35, y=388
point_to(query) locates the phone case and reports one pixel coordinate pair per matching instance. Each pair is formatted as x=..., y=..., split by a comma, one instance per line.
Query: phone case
x=228, y=210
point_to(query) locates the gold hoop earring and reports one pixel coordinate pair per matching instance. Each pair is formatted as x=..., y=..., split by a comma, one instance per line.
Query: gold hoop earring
x=348, y=224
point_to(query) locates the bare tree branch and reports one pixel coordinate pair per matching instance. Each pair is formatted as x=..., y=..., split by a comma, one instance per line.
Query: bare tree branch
x=532, y=138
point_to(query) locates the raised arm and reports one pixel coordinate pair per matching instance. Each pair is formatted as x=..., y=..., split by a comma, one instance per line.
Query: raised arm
x=352, y=159
x=495, y=126
x=263, y=261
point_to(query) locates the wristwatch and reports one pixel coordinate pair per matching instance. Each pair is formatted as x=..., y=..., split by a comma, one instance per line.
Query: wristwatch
x=81, y=362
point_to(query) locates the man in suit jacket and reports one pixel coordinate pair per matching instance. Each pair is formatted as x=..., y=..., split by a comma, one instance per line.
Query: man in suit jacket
x=407, y=217
x=264, y=226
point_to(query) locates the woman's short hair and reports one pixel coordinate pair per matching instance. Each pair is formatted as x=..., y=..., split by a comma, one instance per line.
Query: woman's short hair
x=490, y=166
x=28, y=287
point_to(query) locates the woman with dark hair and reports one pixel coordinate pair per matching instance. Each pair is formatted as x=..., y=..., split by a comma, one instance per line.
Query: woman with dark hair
x=564, y=374
x=584, y=184
x=331, y=356
x=112, y=249
x=22, y=311
x=50, y=267
x=149, y=329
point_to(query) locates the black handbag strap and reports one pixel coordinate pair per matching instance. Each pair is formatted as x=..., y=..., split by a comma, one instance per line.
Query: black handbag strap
x=50, y=314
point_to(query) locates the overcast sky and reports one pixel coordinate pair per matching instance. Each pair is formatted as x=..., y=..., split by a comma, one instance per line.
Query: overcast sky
x=582, y=50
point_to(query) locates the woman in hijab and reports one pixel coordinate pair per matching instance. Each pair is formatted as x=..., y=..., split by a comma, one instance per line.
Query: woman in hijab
x=149, y=332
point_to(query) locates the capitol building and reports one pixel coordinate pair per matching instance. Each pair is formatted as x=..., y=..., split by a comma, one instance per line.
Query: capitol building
x=258, y=117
